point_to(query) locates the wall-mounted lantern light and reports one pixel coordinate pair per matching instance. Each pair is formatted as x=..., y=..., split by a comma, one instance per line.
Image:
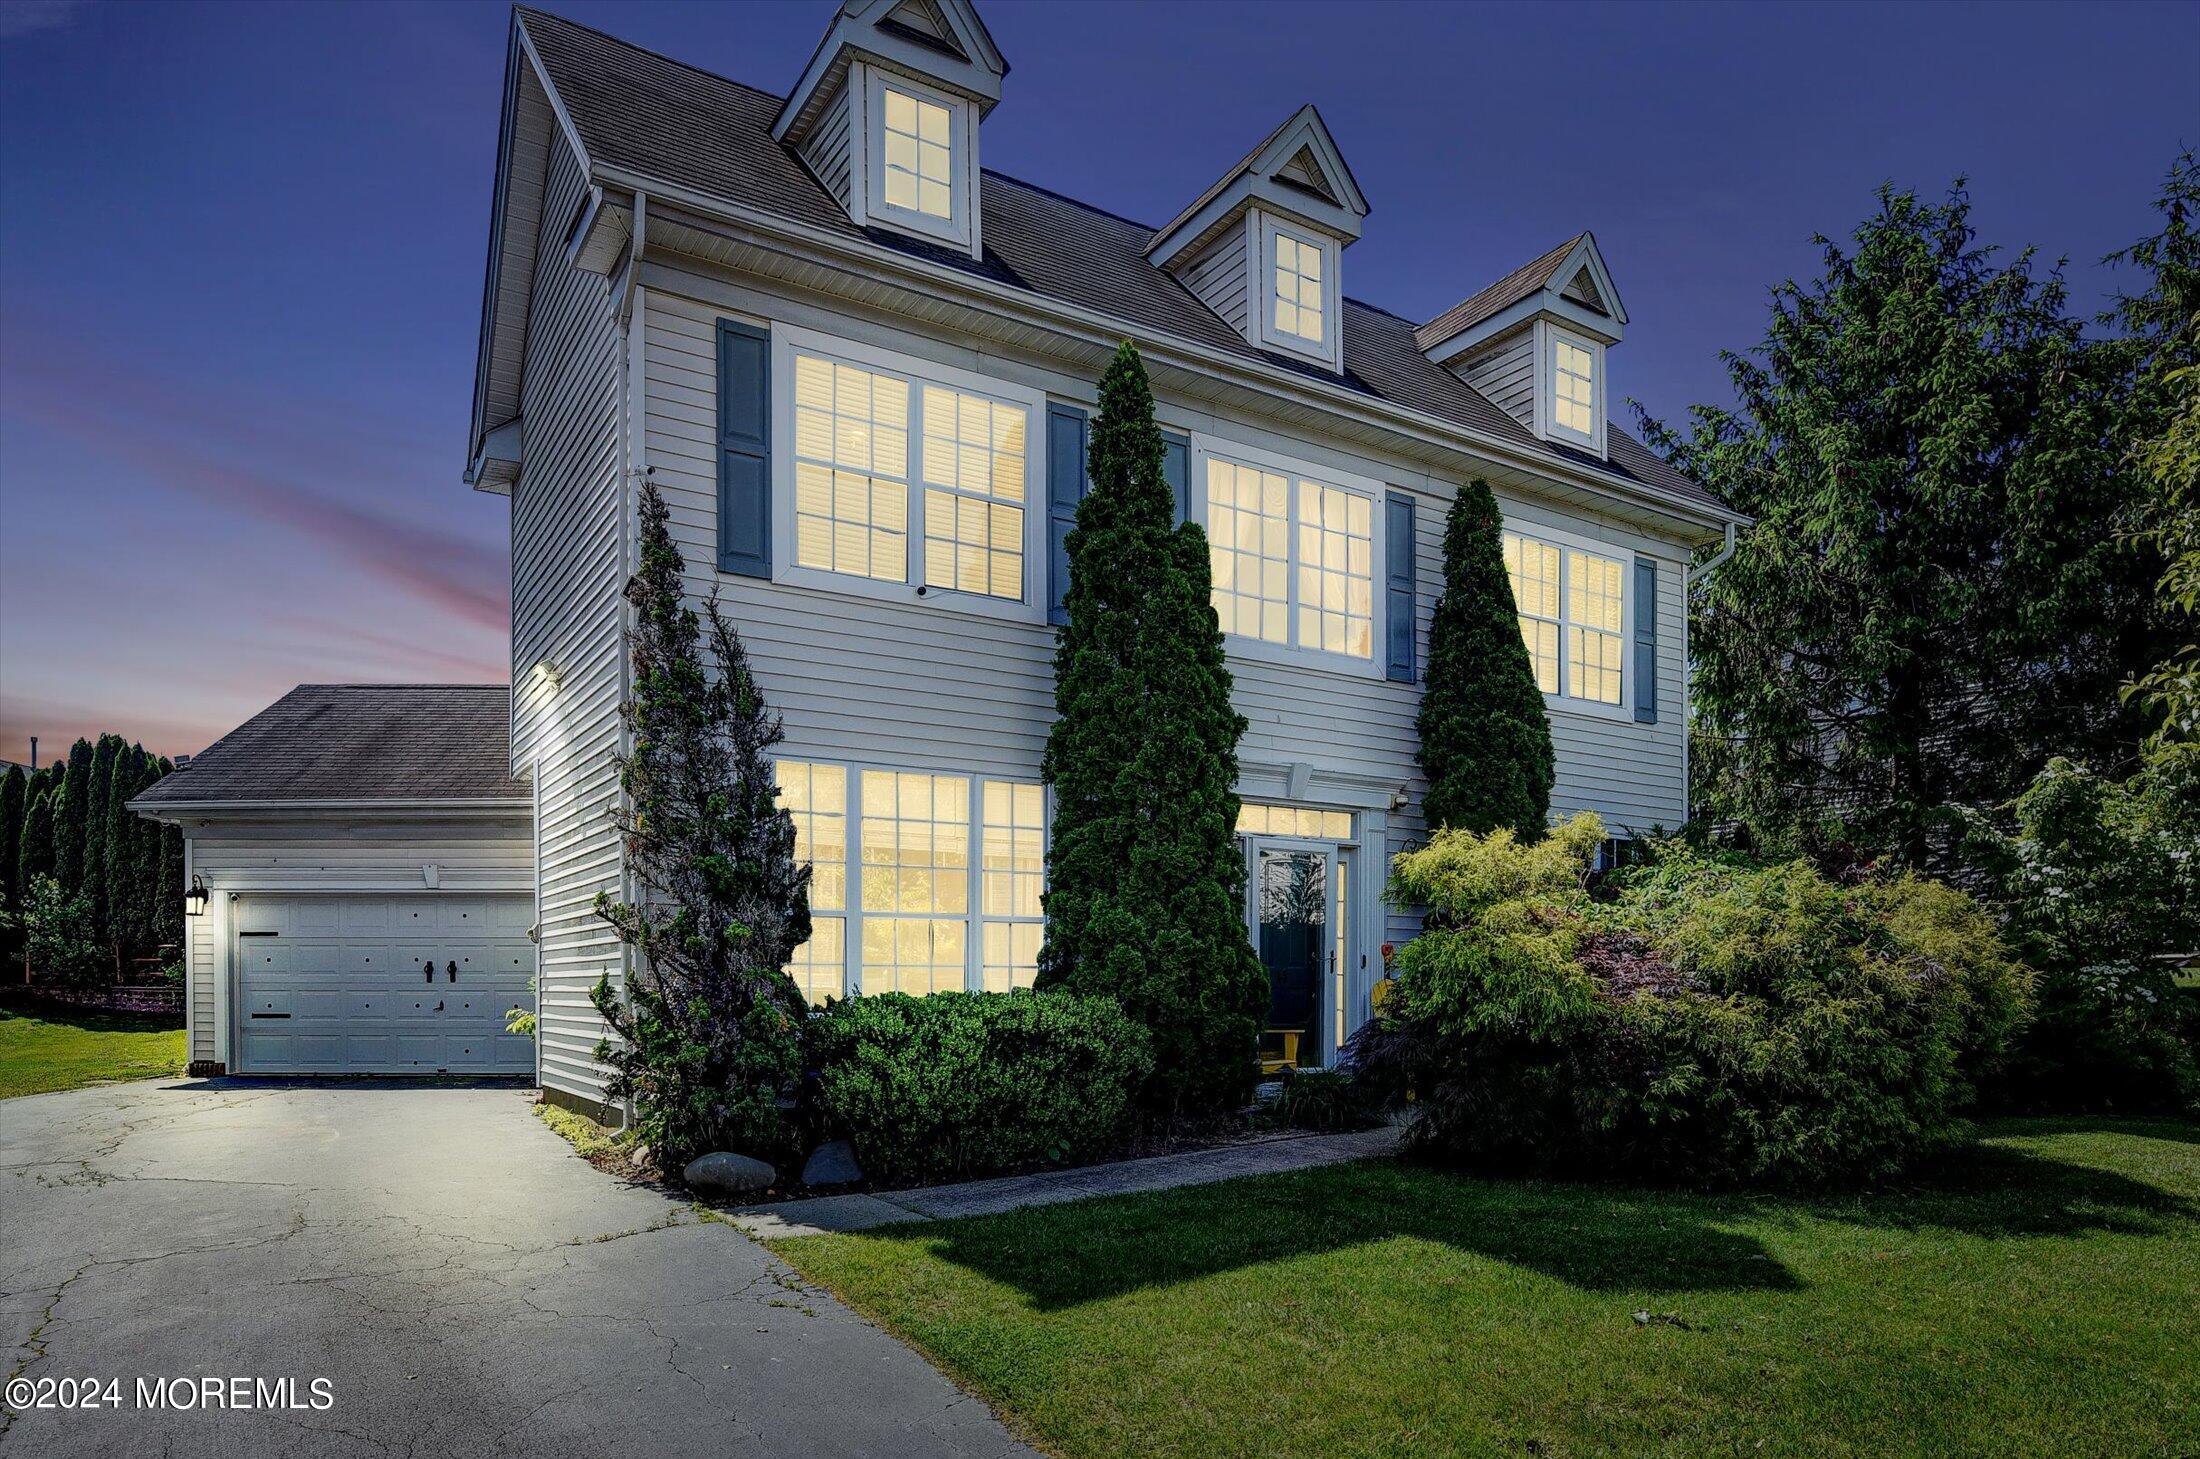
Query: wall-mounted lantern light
x=194, y=900
x=548, y=674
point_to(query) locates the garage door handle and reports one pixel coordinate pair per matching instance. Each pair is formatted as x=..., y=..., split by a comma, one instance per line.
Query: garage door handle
x=427, y=972
x=451, y=968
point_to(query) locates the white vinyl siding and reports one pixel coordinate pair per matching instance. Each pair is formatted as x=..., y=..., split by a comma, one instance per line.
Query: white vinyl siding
x=1219, y=278
x=567, y=572
x=1506, y=376
x=828, y=151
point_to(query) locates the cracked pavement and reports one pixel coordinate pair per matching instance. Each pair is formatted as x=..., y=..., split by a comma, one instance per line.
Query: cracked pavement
x=469, y=1286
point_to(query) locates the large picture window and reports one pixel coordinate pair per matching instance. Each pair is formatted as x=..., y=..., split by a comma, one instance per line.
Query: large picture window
x=1573, y=609
x=1293, y=559
x=919, y=883
x=900, y=479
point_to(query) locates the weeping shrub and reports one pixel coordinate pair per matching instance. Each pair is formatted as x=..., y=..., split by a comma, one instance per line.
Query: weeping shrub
x=1713, y=1023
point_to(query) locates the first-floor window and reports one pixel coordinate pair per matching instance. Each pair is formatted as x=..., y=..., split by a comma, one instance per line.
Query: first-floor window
x=1572, y=607
x=920, y=883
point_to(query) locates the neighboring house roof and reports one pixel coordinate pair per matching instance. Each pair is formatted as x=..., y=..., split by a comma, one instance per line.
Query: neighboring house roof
x=649, y=115
x=1503, y=294
x=358, y=742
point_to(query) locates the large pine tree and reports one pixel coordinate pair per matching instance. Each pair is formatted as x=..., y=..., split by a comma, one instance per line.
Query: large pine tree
x=71, y=812
x=1934, y=599
x=98, y=827
x=709, y=1025
x=1485, y=740
x=1146, y=883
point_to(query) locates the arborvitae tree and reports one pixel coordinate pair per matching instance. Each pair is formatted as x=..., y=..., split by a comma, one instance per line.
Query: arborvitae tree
x=1485, y=740
x=168, y=909
x=98, y=827
x=1146, y=883
x=133, y=846
x=70, y=815
x=34, y=854
x=14, y=788
x=709, y=1024
x=1934, y=599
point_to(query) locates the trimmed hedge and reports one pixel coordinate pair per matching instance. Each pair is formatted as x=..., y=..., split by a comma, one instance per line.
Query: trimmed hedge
x=958, y=1085
x=1714, y=1024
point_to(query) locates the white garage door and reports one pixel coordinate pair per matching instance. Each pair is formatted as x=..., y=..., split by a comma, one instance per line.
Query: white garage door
x=413, y=984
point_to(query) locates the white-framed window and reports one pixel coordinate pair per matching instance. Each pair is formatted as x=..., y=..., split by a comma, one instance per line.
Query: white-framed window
x=1574, y=395
x=1294, y=556
x=1296, y=285
x=920, y=882
x=903, y=479
x=918, y=139
x=1573, y=617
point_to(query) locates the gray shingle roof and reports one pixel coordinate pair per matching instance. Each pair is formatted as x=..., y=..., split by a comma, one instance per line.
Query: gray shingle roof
x=359, y=742
x=1503, y=294
x=647, y=114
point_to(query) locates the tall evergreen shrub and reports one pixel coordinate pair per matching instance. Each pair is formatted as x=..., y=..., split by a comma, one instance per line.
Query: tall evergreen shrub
x=1145, y=904
x=709, y=1025
x=1485, y=741
x=14, y=801
x=70, y=814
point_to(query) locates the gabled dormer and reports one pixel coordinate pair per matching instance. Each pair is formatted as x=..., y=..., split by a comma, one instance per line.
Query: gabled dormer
x=1261, y=247
x=886, y=115
x=1534, y=342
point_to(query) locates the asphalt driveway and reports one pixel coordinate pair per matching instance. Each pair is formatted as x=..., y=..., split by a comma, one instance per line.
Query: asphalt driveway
x=464, y=1283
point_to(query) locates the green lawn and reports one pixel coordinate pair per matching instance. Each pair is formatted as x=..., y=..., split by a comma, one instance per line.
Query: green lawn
x=62, y=1049
x=2039, y=1295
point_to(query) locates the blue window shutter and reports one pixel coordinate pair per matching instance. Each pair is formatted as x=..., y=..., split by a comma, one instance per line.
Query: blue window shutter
x=1176, y=469
x=1646, y=640
x=1398, y=599
x=744, y=450
x=1066, y=429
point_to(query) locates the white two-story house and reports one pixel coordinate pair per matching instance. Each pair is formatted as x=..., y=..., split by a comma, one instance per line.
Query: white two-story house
x=860, y=367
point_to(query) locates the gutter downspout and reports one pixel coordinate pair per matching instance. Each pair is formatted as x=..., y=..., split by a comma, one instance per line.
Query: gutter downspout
x=1690, y=576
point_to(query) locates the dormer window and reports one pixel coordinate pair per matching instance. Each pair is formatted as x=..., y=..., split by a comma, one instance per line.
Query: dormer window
x=920, y=178
x=918, y=154
x=1297, y=288
x=1573, y=388
x=1298, y=278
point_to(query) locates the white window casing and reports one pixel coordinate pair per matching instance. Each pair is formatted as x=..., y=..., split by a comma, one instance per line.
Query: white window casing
x=899, y=479
x=1570, y=389
x=920, y=882
x=919, y=150
x=1575, y=598
x=1304, y=263
x=1297, y=557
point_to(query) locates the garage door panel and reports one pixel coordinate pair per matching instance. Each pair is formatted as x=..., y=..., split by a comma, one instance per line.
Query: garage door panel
x=341, y=985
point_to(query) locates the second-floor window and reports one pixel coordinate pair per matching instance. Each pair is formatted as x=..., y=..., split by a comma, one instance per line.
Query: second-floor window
x=1573, y=609
x=903, y=479
x=1293, y=558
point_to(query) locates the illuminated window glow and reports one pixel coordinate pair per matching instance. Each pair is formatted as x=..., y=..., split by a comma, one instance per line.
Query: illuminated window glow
x=1316, y=594
x=1336, y=570
x=1572, y=598
x=815, y=797
x=918, y=155
x=1573, y=387
x=973, y=493
x=1297, y=293
x=1258, y=819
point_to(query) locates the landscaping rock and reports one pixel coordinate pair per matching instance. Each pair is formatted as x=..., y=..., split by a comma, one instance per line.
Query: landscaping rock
x=832, y=1163
x=723, y=1173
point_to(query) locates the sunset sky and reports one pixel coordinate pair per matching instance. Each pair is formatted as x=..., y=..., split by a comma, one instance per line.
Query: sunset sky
x=241, y=253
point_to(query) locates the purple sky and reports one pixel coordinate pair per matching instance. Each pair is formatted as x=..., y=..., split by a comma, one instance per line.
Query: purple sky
x=241, y=253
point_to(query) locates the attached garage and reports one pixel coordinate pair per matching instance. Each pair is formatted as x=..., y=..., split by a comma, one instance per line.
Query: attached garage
x=368, y=863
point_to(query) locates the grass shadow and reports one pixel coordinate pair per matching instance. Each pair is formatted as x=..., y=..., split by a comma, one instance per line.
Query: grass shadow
x=1997, y=1192
x=91, y=1020
x=1590, y=1238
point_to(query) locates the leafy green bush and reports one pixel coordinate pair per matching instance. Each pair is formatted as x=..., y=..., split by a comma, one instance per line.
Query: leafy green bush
x=966, y=1084
x=1321, y=1099
x=61, y=940
x=1713, y=1023
x=2095, y=881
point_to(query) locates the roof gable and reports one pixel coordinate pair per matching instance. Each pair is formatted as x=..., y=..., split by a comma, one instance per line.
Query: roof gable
x=1568, y=281
x=1296, y=170
x=941, y=41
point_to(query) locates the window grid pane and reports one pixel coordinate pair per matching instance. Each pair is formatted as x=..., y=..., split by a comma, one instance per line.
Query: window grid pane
x=1012, y=880
x=974, y=458
x=1533, y=569
x=1297, y=293
x=1248, y=546
x=1336, y=570
x=1573, y=393
x=1302, y=822
x=915, y=881
x=815, y=798
x=851, y=429
x=917, y=155
x=1593, y=608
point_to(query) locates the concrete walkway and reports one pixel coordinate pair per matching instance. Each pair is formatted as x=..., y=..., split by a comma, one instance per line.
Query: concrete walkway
x=825, y=1214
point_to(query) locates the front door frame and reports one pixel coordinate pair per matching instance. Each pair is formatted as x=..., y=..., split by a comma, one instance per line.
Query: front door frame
x=1332, y=998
